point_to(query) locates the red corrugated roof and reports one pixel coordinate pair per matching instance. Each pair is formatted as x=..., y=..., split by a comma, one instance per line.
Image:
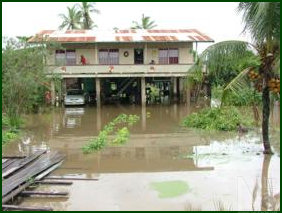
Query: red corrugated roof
x=73, y=39
x=129, y=35
x=75, y=31
x=147, y=38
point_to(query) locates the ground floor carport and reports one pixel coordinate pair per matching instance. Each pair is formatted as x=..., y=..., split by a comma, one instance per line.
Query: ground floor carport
x=128, y=90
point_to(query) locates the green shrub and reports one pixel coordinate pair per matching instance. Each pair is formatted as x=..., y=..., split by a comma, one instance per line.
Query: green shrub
x=246, y=98
x=8, y=136
x=225, y=119
x=5, y=121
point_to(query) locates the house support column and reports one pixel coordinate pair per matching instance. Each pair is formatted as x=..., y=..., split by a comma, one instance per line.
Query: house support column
x=144, y=118
x=53, y=92
x=174, y=89
x=98, y=91
x=180, y=89
x=64, y=86
x=96, y=54
x=98, y=119
x=188, y=95
x=143, y=91
x=146, y=54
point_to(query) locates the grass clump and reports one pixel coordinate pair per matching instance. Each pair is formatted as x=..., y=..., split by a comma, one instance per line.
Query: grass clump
x=119, y=125
x=9, y=132
x=224, y=119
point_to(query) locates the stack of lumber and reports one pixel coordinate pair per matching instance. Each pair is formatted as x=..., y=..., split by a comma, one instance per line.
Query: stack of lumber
x=18, y=173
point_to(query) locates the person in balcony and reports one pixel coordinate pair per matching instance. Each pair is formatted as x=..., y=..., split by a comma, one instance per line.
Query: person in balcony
x=152, y=62
x=82, y=60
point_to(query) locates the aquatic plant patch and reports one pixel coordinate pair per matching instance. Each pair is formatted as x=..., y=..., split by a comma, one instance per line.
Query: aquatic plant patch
x=119, y=125
x=169, y=189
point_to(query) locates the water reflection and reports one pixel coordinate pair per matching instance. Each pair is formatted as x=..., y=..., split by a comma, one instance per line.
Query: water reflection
x=72, y=117
x=269, y=200
x=158, y=149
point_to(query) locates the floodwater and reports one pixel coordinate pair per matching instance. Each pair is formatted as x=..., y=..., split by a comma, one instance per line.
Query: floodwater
x=163, y=166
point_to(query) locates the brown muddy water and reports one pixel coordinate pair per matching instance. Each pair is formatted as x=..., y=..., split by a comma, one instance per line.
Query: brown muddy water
x=162, y=167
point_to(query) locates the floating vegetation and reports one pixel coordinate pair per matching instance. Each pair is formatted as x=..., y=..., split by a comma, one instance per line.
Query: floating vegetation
x=122, y=136
x=119, y=125
x=168, y=189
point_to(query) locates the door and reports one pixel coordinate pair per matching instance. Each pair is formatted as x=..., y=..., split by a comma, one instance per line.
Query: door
x=138, y=56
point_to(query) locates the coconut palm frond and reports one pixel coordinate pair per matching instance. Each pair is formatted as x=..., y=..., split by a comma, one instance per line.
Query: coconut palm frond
x=224, y=54
x=240, y=82
x=262, y=20
x=85, y=9
x=276, y=67
x=146, y=23
x=71, y=20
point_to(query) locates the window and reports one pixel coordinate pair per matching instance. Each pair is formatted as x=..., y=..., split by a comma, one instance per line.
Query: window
x=108, y=56
x=65, y=57
x=60, y=57
x=70, y=57
x=168, y=56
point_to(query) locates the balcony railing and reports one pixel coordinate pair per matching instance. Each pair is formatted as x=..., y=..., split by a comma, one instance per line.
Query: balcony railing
x=125, y=70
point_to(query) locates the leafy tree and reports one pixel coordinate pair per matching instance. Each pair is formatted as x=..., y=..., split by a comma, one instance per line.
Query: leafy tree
x=146, y=23
x=262, y=21
x=23, y=39
x=71, y=21
x=85, y=9
x=23, y=78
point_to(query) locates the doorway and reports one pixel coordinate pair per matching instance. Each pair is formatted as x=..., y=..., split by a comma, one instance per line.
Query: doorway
x=138, y=56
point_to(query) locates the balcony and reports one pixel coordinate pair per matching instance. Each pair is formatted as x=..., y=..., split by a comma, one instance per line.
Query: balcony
x=132, y=70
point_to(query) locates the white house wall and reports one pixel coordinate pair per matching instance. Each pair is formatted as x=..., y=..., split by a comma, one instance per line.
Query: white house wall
x=185, y=52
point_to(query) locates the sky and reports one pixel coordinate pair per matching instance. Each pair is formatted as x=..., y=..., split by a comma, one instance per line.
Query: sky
x=218, y=20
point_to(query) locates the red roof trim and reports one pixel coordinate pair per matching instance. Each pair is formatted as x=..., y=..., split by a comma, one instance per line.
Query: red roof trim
x=73, y=39
x=75, y=31
x=127, y=38
x=200, y=38
x=202, y=34
x=192, y=38
x=147, y=38
x=45, y=32
x=185, y=31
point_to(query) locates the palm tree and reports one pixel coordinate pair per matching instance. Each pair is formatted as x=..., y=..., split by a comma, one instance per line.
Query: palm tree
x=86, y=8
x=146, y=23
x=262, y=21
x=115, y=29
x=71, y=21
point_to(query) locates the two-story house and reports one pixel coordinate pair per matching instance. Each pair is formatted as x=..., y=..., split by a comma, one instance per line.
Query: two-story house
x=121, y=64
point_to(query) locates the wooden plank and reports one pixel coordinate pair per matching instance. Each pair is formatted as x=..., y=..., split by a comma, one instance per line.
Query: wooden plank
x=69, y=178
x=25, y=208
x=46, y=172
x=15, y=192
x=54, y=182
x=29, y=193
x=42, y=163
x=7, y=163
x=20, y=156
x=18, y=164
